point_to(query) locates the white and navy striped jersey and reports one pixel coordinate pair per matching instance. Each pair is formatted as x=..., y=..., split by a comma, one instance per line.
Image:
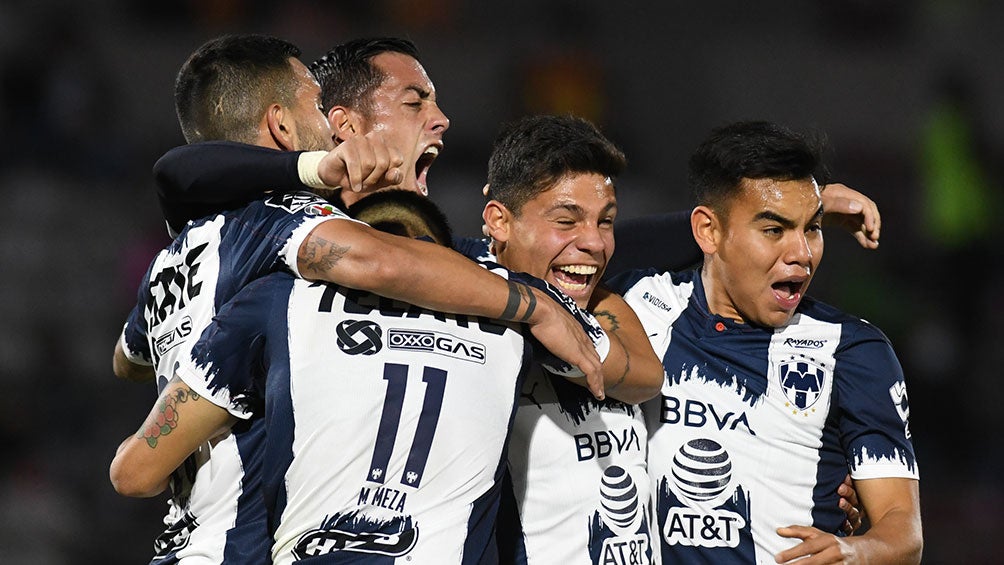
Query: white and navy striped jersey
x=579, y=482
x=386, y=424
x=578, y=490
x=211, y=519
x=756, y=427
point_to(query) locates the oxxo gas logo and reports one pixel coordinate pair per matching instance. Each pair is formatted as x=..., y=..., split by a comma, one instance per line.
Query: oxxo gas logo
x=440, y=343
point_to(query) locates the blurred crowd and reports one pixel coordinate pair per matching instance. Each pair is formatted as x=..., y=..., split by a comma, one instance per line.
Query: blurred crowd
x=904, y=91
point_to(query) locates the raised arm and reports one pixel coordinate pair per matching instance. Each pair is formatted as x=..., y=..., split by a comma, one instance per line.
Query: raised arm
x=204, y=178
x=181, y=420
x=632, y=371
x=845, y=207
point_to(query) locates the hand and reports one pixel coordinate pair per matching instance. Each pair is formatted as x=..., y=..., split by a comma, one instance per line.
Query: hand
x=564, y=337
x=851, y=506
x=845, y=207
x=362, y=162
x=817, y=547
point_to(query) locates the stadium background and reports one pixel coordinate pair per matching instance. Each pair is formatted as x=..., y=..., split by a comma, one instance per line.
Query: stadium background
x=906, y=91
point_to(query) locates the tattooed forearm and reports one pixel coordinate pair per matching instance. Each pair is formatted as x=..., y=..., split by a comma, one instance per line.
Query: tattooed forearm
x=320, y=255
x=518, y=294
x=165, y=416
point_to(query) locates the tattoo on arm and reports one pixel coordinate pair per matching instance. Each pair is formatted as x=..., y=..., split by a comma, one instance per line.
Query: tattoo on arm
x=166, y=417
x=320, y=255
x=627, y=360
x=519, y=293
x=610, y=317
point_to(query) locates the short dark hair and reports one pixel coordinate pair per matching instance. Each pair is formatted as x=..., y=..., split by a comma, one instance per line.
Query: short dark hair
x=223, y=88
x=531, y=154
x=405, y=213
x=752, y=150
x=347, y=75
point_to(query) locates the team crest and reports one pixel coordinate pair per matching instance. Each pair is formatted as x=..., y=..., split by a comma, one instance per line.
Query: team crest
x=802, y=382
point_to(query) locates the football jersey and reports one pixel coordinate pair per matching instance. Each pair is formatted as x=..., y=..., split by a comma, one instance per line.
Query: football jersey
x=386, y=424
x=184, y=287
x=578, y=488
x=755, y=427
x=579, y=480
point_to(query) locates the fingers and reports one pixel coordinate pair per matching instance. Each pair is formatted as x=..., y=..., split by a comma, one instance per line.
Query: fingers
x=855, y=211
x=362, y=163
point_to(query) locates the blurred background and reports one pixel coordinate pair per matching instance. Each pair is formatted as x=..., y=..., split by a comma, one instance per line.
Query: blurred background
x=905, y=90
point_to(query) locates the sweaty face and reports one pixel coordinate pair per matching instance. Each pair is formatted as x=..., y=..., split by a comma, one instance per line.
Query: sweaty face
x=313, y=133
x=769, y=246
x=403, y=109
x=565, y=235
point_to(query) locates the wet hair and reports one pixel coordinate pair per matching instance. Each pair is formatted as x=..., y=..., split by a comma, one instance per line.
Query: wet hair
x=225, y=86
x=347, y=74
x=405, y=213
x=751, y=150
x=533, y=153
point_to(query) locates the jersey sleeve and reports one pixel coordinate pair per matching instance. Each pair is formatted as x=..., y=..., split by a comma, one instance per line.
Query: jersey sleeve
x=874, y=408
x=133, y=338
x=662, y=241
x=273, y=229
x=204, y=178
x=227, y=364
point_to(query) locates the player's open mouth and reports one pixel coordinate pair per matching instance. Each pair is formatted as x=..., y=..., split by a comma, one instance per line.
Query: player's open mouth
x=422, y=165
x=573, y=278
x=788, y=293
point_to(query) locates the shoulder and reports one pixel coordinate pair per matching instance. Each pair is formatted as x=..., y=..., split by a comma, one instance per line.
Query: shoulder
x=854, y=330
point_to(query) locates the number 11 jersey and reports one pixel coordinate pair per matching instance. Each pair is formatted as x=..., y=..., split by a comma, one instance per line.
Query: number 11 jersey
x=386, y=424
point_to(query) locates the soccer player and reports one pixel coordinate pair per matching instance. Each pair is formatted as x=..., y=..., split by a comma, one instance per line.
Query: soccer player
x=770, y=396
x=254, y=89
x=579, y=485
x=379, y=84
x=385, y=424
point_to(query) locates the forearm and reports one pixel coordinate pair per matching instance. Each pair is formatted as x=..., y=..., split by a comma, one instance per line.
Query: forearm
x=203, y=178
x=420, y=273
x=632, y=371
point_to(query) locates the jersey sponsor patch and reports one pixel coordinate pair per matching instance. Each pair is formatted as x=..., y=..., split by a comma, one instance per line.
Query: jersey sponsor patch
x=359, y=337
x=175, y=537
x=293, y=202
x=357, y=532
x=698, y=504
x=618, y=531
x=440, y=343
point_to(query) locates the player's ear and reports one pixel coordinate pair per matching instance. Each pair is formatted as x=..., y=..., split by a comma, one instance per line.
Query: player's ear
x=345, y=123
x=498, y=221
x=279, y=122
x=707, y=228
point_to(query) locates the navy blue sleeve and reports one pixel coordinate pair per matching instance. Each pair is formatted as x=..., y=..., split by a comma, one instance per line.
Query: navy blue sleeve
x=204, y=178
x=662, y=241
x=874, y=407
